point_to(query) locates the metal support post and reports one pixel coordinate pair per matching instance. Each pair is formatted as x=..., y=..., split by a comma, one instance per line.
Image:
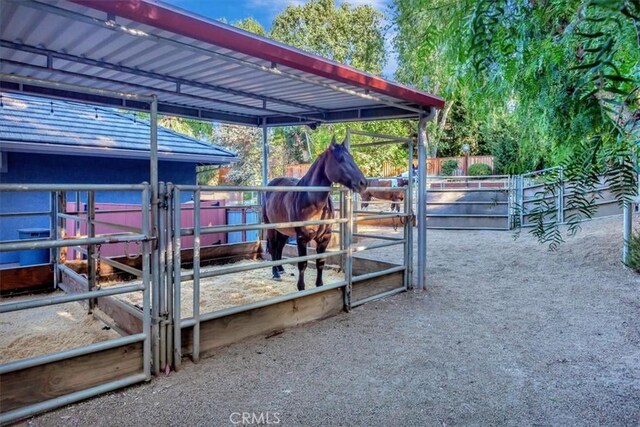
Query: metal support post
x=560, y=215
x=265, y=153
x=177, y=267
x=410, y=218
x=422, y=202
x=91, y=248
x=146, y=281
x=627, y=218
x=343, y=232
x=348, y=237
x=195, y=356
x=162, y=310
x=56, y=233
x=169, y=272
x=356, y=197
x=155, y=255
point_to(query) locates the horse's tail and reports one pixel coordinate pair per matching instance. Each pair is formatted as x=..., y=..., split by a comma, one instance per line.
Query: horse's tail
x=265, y=220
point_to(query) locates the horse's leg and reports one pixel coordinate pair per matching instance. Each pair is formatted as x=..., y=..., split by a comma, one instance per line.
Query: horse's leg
x=281, y=242
x=321, y=247
x=302, y=251
x=272, y=246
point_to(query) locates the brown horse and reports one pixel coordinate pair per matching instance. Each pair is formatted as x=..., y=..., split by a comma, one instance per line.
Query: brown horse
x=335, y=165
x=395, y=196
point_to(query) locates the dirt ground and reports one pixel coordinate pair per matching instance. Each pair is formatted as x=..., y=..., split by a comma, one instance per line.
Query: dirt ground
x=506, y=334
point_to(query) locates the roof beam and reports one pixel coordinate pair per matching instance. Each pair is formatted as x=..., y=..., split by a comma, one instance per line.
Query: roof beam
x=134, y=71
x=350, y=115
x=40, y=87
x=99, y=5
x=150, y=89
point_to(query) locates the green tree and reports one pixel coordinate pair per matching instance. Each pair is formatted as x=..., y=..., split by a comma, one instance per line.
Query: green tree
x=244, y=141
x=353, y=36
x=552, y=82
x=251, y=25
x=346, y=34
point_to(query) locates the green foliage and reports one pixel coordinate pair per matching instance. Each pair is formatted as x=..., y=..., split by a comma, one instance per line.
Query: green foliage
x=346, y=34
x=369, y=159
x=246, y=142
x=479, y=169
x=448, y=167
x=251, y=25
x=350, y=35
x=554, y=82
x=634, y=252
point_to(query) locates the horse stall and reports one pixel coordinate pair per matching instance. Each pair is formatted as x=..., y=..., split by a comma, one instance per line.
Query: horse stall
x=216, y=305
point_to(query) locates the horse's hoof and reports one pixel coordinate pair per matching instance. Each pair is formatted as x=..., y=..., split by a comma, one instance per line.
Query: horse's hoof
x=277, y=278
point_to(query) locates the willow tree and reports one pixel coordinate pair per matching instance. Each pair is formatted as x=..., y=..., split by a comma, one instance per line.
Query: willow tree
x=564, y=75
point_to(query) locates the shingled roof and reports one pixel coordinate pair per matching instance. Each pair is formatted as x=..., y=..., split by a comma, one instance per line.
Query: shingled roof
x=39, y=125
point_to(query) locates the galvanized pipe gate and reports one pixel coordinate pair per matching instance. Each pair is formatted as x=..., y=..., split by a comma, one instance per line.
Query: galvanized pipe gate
x=92, y=242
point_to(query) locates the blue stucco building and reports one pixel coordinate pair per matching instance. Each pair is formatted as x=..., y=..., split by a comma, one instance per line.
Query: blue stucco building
x=48, y=141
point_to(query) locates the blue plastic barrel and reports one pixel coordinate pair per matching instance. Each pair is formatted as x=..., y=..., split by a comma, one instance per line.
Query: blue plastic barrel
x=234, y=218
x=252, y=218
x=33, y=256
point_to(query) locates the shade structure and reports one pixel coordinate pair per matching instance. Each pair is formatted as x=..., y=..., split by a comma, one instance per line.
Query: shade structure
x=197, y=67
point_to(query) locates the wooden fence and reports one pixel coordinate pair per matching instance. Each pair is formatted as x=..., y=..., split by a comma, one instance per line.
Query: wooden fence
x=434, y=166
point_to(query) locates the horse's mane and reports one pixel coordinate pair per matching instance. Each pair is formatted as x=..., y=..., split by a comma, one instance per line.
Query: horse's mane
x=306, y=179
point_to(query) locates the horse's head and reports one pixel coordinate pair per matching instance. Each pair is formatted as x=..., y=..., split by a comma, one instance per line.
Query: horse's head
x=341, y=168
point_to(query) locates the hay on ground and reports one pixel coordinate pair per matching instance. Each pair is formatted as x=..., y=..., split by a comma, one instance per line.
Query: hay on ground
x=43, y=330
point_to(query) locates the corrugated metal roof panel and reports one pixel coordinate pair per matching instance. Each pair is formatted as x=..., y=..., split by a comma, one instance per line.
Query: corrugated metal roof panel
x=138, y=47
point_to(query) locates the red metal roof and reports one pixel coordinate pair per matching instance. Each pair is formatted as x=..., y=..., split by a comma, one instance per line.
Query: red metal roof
x=121, y=52
x=166, y=18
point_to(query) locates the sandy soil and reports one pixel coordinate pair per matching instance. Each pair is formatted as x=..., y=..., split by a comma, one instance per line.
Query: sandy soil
x=43, y=330
x=217, y=293
x=506, y=334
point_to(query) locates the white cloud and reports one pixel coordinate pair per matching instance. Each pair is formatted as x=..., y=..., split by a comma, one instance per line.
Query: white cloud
x=274, y=6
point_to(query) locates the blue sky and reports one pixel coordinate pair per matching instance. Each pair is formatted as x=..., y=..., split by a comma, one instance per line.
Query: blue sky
x=264, y=11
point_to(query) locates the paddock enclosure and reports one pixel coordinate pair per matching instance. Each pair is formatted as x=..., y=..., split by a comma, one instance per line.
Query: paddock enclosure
x=180, y=270
x=174, y=271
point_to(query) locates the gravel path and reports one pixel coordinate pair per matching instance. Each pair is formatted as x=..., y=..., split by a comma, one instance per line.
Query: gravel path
x=507, y=334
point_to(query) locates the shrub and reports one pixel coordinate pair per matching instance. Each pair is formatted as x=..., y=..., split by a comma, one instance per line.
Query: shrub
x=634, y=252
x=448, y=167
x=479, y=169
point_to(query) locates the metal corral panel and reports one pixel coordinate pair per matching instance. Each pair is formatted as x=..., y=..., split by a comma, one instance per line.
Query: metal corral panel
x=468, y=209
x=197, y=67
